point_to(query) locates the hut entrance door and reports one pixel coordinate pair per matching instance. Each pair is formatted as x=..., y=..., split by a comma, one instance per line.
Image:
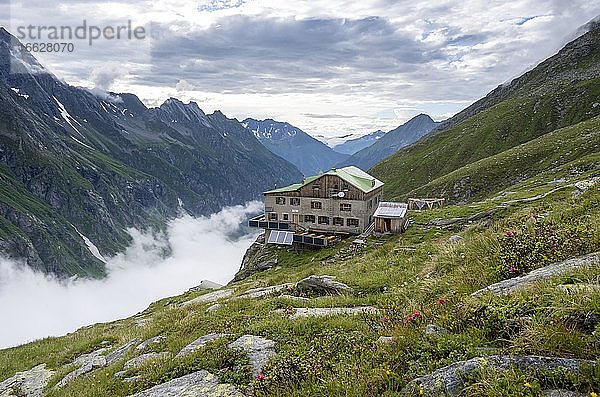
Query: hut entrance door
x=295, y=219
x=388, y=225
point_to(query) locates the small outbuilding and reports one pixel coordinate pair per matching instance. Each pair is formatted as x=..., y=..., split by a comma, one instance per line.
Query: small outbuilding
x=390, y=217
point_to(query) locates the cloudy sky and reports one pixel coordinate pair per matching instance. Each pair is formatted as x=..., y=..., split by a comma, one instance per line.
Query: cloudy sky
x=329, y=67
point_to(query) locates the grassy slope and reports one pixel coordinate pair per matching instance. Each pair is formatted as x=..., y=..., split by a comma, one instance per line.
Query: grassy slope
x=579, y=143
x=337, y=356
x=510, y=123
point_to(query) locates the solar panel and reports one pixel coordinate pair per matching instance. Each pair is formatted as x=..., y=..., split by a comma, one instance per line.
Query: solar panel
x=390, y=210
x=281, y=237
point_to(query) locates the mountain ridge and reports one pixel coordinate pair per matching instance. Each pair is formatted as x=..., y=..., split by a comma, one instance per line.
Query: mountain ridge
x=307, y=153
x=73, y=164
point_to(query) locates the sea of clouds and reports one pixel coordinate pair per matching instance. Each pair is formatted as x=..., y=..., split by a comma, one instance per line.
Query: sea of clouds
x=34, y=305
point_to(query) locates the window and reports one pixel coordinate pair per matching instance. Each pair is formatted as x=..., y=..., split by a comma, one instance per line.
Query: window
x=285, y=217
x=280, y=200
x=309, y=218
x=272, y=216
x=316, y=187
x=338, y=221
x=352, y=222
x=345, y=186
x=294, y=201
x=345, y=207
x=370, y=204
x=316, y=205
x=323, y=220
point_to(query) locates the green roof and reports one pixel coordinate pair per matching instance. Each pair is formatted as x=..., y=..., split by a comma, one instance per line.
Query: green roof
x=353, y=175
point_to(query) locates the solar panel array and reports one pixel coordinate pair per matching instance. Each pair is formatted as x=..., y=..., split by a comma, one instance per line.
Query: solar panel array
x=279, y=237
x=390, y=210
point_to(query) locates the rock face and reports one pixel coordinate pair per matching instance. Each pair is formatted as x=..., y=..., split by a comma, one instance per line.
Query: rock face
x=199, y=343
x=210, y=297
x=26, y=384
x=259, y=257
x=115, y=164
x=507, y=286
x=197, y=384
x=448, y=381
x=259, y=350
x=323, y=285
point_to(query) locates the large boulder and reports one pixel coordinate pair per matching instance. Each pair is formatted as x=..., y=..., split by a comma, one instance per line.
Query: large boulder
x=200, y=343
x=26, y=384
x=259, y=350
x=322, y=285
x=448, y=381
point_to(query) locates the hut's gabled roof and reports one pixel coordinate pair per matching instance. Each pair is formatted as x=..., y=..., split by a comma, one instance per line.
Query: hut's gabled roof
x=353, y=175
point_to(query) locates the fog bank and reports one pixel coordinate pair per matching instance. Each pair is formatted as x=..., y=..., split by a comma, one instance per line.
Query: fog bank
x=34, y=305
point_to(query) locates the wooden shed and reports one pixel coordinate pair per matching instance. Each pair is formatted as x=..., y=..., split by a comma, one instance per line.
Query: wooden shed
x=391, y=217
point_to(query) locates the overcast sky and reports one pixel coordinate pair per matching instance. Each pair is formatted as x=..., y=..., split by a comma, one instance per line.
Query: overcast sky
x=329, y=67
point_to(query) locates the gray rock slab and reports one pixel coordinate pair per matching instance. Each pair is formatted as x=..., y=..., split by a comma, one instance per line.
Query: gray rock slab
x=85, y=358
x=455, y=239
x=556, y=269
x=210, y=297
x=121, y=351
x=199, y=343
x=431, y=329
x=89, y=366
x=27, y=383
x=259, y=350
x=323, y=284
x=255, y=293
x=144, y=358
x=212, y=308
x=449, y=380
x=148, y=342
x=197, y=384
x=303, y=312
x=385, y=340
x=563, y=393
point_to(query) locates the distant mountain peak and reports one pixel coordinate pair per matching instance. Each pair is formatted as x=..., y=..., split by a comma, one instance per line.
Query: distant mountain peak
x=308, y=154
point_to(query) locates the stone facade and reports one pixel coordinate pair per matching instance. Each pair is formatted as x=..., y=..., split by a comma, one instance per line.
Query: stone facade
x=328, y=203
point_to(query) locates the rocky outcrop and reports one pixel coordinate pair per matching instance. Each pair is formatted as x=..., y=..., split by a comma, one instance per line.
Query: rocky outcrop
x=259, y=350
x=121, y=351
x=200, y=343
x=94, y=360
x=448, y=381
x=149, y=342
x=197, y=384
x=26, y=384
x=210, y=297
x=87, y=363
x=261, y=292
x=322, y=285
x=258, y=258
x=556, y=269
